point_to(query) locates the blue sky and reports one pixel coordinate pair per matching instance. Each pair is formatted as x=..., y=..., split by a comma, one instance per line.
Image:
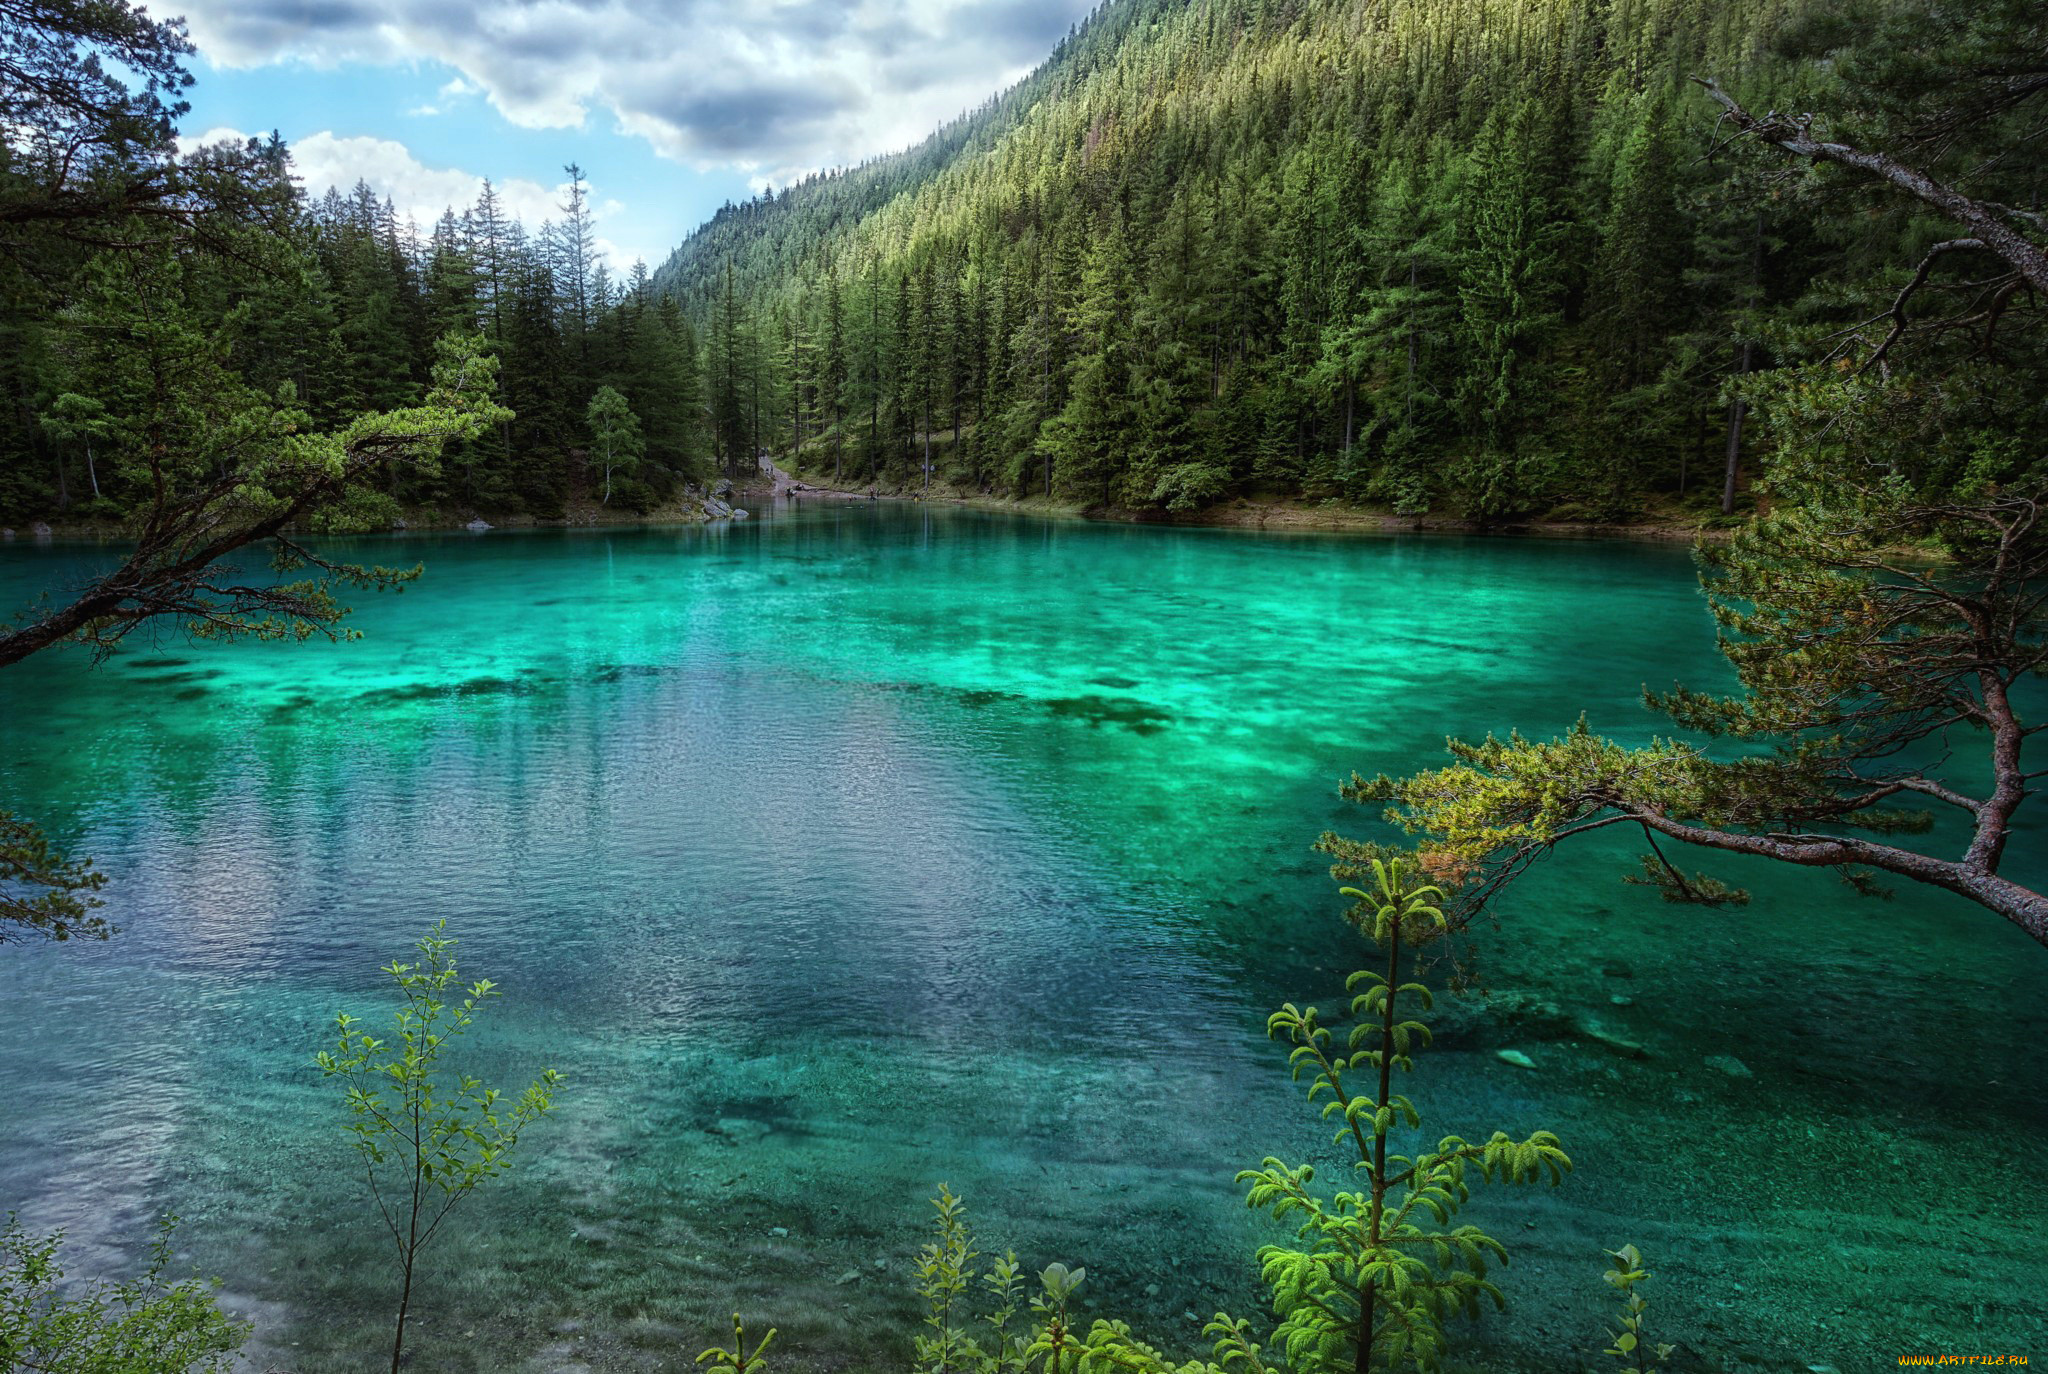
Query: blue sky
x=671, y=107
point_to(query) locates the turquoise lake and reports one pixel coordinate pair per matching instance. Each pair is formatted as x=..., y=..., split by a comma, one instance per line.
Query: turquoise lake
x=837, y=854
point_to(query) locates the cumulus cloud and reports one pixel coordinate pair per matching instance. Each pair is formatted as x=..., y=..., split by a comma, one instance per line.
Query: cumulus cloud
x=414, y=189
x=772, y=87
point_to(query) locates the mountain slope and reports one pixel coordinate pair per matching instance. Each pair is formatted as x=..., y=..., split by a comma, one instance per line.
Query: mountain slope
x=1462, y=256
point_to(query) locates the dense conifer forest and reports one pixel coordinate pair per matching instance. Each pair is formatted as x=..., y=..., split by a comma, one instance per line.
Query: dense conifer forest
x=336, y=299
x=1492, y=260
x=1481, y=258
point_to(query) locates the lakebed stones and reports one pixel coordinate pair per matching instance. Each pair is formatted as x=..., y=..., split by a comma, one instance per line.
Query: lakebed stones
x=1515, y=1057
x=1483, y=1022
x=741, y=1130
x=1620, y=1044
x=1730, y=1065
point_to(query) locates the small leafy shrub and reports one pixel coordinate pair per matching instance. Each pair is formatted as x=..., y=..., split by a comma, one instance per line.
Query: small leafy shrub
x=144, y=1326
x=424, y=1147
x=737, y=1360
x=1379, y=1270
x=1624, y=1272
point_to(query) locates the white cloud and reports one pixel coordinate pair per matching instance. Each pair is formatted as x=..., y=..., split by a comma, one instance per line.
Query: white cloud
x=773, y=87
x=326, y=159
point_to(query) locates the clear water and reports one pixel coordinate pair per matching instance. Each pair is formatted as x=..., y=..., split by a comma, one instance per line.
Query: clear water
x=838, y=854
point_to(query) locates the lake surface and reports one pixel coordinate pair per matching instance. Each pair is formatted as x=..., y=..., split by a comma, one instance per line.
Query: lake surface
x=838, y=854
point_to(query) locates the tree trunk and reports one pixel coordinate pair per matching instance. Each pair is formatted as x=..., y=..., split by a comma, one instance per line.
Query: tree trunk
x=1368, y=1300
x=1413, y=350
x=1738, y=410
x=404, y=1303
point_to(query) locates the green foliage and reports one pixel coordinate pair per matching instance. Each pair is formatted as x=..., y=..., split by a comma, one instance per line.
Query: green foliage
x=45, y=893
x=738, y=1360
x=1380, y=1271
x=139, y=1326
x=614, y=435
x=943, y=1278
x=426, y=1144
x=1625, y=1271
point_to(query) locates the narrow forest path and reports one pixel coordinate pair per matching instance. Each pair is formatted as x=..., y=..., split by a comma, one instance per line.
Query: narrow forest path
x=785, y=485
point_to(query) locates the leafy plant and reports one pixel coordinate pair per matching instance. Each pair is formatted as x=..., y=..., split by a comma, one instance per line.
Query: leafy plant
x=737, y=1360
x=1624, y=1271
x=424, y=1149
x=943, y=1277
x=1003, y=1283
x=143, y=1326
x=1378, y=1275
x=615, y=435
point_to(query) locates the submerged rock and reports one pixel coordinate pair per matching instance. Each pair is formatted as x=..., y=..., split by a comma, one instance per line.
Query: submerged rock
x=1515, y=1057
x=1730, y=1065
x=1621, y=1045
x=743, y=1129
x=738, y=514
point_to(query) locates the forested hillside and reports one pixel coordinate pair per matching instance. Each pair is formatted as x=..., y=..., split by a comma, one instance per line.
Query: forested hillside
x=1492, y=259
x=1471, y=257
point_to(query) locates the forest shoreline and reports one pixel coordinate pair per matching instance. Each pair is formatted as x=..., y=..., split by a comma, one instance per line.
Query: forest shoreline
x=1277, y=516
